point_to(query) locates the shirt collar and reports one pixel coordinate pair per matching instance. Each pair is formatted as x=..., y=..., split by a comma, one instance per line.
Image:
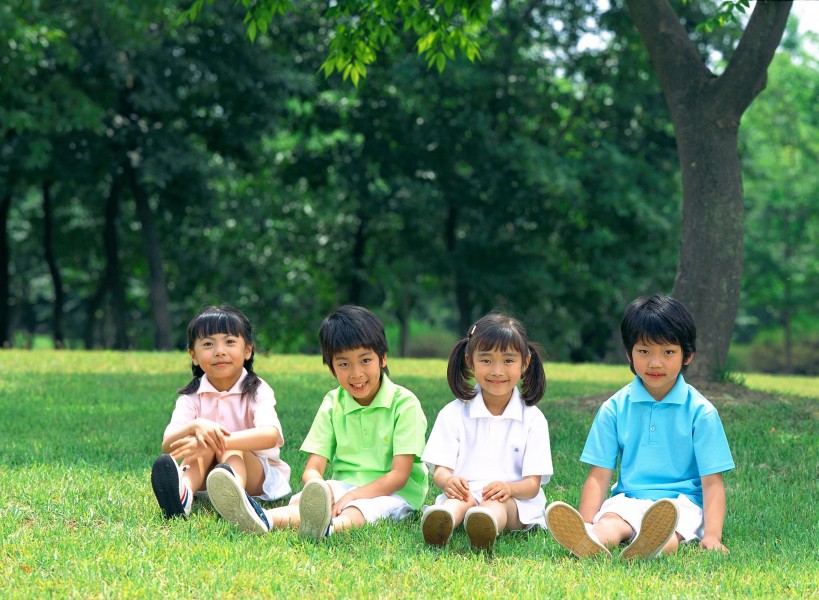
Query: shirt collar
x=383, y=399
x=676, y=395
x=513, y=410
x=206, y=386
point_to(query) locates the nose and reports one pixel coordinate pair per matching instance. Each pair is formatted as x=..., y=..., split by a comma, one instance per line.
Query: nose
x=655, y=361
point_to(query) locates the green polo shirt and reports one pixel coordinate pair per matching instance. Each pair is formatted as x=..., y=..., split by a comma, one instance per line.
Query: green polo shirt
x=360, y=441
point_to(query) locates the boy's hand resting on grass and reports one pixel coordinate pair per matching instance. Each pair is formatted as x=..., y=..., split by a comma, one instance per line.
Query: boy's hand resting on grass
x=712, y=543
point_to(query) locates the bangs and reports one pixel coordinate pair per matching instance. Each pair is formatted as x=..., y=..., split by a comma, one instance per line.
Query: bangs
x=215, y=322
x=498, y=337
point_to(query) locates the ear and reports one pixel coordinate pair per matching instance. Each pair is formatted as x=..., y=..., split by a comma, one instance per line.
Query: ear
x=384, y=361
x=526, y=361
x=193, y=357
x=248, y=351
x=688, y=360
x=628, y=357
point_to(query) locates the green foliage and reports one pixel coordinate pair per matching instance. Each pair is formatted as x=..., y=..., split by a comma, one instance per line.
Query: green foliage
x=78, y=516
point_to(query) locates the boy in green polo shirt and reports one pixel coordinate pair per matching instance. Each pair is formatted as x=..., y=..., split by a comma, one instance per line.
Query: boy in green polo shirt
x=369, y=429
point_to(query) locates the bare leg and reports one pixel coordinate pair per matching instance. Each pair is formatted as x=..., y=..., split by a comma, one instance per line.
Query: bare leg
x=612, y=530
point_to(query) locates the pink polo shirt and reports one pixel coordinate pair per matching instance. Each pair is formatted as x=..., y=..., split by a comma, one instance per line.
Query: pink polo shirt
x=234, y=413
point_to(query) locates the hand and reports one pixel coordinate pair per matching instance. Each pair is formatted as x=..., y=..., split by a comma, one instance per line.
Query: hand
x=498, y=491
x=340, y=504
x=210, y=434
x=457, y=488
x=189, y=449
x=713, y=543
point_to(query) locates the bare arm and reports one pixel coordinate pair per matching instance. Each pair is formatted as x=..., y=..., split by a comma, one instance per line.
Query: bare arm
x=314, y=469
x=389, y=483
x=713, y=508
x=594, y=492
x=454, y=486
x=206, y=432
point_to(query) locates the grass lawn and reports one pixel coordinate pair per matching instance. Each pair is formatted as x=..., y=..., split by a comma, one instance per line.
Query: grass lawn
x=78, y=518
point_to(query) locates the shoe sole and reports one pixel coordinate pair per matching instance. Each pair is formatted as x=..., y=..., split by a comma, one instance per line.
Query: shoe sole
x=437, y=527
x=315, y=510
x=165, y=481
x=481, y=530
x=568, y=529
x=230, y=501
x=659, y=524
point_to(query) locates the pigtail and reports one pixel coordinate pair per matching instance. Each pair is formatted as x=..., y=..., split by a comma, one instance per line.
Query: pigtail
x=193, y=384
x=458, y=372
x=251, y=383
x=533, y=384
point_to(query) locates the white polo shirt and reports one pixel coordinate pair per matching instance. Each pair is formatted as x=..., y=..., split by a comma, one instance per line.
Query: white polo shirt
x=482, y=447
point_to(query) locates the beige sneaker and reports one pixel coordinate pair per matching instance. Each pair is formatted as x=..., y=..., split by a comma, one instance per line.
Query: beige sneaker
x=659, y=524
x=481, y=527
x=315, y=510
x=437, y=524
x=567, y=527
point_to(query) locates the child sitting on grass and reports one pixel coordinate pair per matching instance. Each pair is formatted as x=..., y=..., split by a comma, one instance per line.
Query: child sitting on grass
x=670, y=444
x=224, y=420
x=489, y=448
x=370, y=430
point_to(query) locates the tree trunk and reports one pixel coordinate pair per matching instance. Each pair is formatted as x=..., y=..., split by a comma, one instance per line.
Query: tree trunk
x=357, y=281
x=113, y=269
x=706, y=112
x=460, y=286
x=157, y=286
x=5, y=205
x=53, y=267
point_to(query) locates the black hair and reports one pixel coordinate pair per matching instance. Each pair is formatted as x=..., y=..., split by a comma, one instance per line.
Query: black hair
x=496, y=331
x=660, y=320
x=227, y=320
x=350, y=327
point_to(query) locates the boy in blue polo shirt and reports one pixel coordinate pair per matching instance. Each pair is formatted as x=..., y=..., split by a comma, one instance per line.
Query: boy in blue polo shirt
x=670, y=443
x=369, y=430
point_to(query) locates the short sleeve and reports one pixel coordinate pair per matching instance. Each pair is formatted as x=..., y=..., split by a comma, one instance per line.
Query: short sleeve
x=321, y=438
x=602, y=447
x=185, y=411
x=537, y=459
x=264, y=411
x=410, y=427
x=710, y=445
x=445, y=438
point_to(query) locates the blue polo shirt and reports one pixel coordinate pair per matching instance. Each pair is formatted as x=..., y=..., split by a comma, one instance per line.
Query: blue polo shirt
x=664, y=447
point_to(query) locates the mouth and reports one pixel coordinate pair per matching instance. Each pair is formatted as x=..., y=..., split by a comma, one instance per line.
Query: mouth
x=359, y=387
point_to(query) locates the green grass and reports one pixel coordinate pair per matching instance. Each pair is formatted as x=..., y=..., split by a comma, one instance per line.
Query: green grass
x=78, y=518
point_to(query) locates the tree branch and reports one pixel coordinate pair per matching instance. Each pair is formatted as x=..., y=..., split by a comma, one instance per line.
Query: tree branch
x=746, y=73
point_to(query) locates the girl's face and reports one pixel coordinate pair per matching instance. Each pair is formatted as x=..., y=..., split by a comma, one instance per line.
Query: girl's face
x=221, y=356
x=498, y=372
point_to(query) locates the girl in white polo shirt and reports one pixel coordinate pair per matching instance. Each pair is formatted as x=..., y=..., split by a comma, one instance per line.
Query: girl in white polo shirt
x=489, y=449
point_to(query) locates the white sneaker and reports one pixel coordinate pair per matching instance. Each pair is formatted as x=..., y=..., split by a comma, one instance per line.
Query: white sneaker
x=568, y=529
x=173, y=495
x=437, y=524
x=232, y=501
x=657, y=527
x=481, y=527
x=315, y=510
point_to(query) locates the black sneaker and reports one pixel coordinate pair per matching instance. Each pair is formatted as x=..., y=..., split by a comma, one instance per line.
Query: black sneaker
x=173, y=496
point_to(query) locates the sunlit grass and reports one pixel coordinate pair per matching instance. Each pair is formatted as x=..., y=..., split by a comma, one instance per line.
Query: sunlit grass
x=78, y=518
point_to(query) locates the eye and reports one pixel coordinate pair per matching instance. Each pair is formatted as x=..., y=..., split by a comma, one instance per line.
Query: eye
x=365, y=361
x=342, y=365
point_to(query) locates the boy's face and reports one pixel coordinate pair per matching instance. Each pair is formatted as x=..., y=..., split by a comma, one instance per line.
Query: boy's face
x=658, y=366
x=359, y=372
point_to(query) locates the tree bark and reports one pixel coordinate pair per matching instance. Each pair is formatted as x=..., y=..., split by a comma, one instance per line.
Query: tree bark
x=5, y=205
x=53, y=266
x=706, y=112
x=157, y=284
x=113, y=269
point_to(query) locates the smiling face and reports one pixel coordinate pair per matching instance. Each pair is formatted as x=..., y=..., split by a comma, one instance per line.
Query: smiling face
x=497, y=372
x=359, y=372
x=221, y=356
x=658, y=365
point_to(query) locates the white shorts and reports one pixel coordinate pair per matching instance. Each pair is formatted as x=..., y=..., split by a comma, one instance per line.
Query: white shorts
x=632, y=510
x=531, y=512
x=382, y=507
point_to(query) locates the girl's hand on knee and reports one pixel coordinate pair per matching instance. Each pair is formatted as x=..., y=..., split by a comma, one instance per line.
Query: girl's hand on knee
x=457, y=488
x=189, y=449
x=499, y=491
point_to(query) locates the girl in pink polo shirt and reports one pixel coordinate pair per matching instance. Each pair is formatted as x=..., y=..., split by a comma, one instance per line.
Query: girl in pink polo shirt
x=225, y=419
